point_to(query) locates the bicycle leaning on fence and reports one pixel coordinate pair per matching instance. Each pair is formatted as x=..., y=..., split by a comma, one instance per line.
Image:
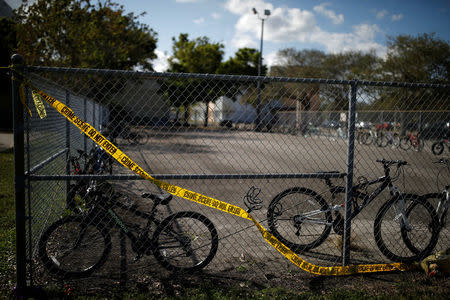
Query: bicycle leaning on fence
x=77, y=245
x=443, y=201
x=302, y=219
x=96, y=162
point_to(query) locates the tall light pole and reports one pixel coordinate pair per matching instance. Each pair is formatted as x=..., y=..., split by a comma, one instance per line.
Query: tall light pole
x=258, y=100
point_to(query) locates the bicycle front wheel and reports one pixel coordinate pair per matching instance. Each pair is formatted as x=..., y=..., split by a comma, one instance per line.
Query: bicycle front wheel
x=185, y=242
x=395, y=140
x=416, y=211
x=407, y=218
x=299, y=218
x=74, y=248
x=437, y=148
x=405, y=143
x=367, y=138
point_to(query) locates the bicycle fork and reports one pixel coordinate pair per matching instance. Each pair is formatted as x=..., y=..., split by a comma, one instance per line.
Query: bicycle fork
x=399, y=209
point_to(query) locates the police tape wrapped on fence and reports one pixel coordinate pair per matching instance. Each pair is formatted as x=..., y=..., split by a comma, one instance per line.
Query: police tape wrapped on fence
x=126, y=161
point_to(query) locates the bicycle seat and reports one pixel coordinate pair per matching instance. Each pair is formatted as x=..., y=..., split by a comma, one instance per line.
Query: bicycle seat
x=163, y=199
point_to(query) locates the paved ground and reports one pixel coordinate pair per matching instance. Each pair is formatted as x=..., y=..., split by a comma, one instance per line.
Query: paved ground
x=240, y=152
x=6, y=141
x=241, y=248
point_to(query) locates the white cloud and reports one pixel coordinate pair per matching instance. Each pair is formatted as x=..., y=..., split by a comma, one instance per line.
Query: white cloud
x=216, y=16
x=187, y=1
x=283, y=24
x=199, y=21
x=272, y=59
x=161, y=63
x=321, y=9
x=397, y=17
x=290, y=25
x=361, y=39
x=381, y=14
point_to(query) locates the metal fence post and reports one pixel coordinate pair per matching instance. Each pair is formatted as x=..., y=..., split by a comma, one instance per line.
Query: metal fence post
x=84, y=118
x=67, y=147
x=349, y=183
x=19, y=171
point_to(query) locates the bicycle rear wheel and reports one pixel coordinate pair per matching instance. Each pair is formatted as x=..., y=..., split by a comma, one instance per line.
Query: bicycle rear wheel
x=415, y=211
x=381, y=141
x=390, y=228
x=405, y=143
x=367, y=138
x=72, y=247
x=437, y=148
x=395, y=140
x=185, y=242
x=299, y=218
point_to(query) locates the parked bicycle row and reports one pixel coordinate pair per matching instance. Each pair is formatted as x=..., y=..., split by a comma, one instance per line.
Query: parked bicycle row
x=79, y=243
x=379, y=137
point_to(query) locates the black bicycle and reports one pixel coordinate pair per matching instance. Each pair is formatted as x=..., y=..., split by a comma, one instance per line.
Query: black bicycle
x=443, y=201
x=95, y=162
x=301, y=219
x=77, y=245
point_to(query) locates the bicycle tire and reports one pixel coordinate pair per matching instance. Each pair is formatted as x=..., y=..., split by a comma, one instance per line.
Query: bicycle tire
x=437, y=148
x=419, y=145
x=144, y=138
x=174, y=237
x=389, y=229
x=413, y=209
x=368, y=138
x=381, y=141
x=133, y=138
x=405, y=143
x=395, y=141
x=289, y=232
x=74, y=263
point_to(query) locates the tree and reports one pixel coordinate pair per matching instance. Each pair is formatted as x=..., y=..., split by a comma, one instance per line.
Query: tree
x=317, y=64
x=199, y=55
x=347, y=66
x=195, y=56
x=300, y=64
x=424, y=58
x=7, y=44
x=244, y=62
x=76, y=33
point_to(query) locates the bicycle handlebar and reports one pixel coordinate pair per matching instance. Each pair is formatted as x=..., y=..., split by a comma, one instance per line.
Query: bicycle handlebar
x=442, y=161
x=388, y=163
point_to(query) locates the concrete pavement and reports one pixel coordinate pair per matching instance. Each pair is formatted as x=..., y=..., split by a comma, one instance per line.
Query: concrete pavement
x=6, y=141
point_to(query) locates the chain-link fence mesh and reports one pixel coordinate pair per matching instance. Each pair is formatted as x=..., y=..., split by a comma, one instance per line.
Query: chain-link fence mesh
x=284, y=148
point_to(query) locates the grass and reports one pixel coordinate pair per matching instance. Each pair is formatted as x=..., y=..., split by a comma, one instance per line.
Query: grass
x=7, y=229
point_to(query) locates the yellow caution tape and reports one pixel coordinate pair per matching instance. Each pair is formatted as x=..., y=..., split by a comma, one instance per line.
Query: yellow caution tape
x=123, y=159
x=23, y=98
x=39, y=104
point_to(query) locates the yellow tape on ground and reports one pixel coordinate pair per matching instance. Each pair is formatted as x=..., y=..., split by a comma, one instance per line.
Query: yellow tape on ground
x=122, y=158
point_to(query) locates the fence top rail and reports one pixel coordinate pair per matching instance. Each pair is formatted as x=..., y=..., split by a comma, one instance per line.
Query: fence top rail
x=232, y=77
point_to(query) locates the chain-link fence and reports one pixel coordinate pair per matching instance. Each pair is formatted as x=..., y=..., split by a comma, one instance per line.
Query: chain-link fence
x=289, y=157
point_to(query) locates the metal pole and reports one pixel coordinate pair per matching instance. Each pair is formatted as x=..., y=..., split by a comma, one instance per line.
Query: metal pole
x=67, y=147
x=19, y=171
x=84, y=118
x=258, y=99
x=349, y=183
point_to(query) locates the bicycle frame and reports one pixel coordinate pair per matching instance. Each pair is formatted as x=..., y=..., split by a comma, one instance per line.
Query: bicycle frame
x=386, y=182
x=107, y=210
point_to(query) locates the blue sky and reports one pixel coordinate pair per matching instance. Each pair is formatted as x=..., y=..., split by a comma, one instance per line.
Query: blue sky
x=330, y=25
